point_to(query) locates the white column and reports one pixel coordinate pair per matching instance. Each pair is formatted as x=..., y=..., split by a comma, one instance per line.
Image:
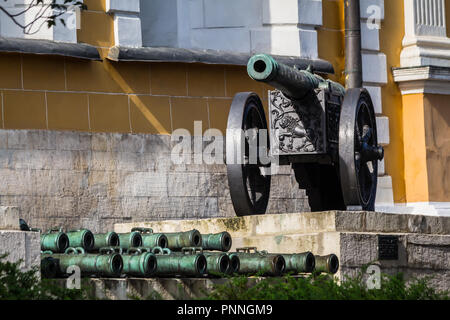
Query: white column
x=127, y=22
x=425, y=41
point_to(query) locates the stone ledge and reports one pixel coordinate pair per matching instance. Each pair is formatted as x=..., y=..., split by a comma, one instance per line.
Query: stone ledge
x=303, y=223
x=21, y=245
x=9, y=218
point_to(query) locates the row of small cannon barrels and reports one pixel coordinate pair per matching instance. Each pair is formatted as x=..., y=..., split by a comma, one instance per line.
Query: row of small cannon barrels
x=190, y=262
x=58, y=241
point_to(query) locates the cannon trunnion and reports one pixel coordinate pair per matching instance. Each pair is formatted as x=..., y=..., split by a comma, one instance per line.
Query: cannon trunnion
x=327, y=134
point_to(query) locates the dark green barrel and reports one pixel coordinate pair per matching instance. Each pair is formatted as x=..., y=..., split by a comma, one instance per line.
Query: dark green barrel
x=55, y=241
x=261, y=262
x=139, y=263
x=295, y=84
x=299, y=262
x=217, y=263
x=179, y=240
x=327, y=264
x=217, y=241
x=130, y=240
x=110, y=239
x=150, y=239
x=104, y=265
x=181, y=264
x=235, y=263
x=81, y=238
x=49, y=267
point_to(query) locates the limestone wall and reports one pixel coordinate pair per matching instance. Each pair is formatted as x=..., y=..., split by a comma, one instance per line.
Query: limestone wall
x=93, y=180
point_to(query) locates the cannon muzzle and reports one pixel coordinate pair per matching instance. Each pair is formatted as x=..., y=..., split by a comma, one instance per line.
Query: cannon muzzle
x=293, y=83
x=217, y=263
x=327, y=264
x=81, y=238
x=185, y=263
x=179, y=240
x=106, y=265
x=55, y=241
x=260, y=262
x=217, y=241
x=300, y=262
x=139, y=263
x=130, y=240
x=150, y=239
x=110, y=239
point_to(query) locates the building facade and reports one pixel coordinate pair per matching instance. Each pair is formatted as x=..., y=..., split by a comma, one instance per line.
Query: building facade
x=87, y=109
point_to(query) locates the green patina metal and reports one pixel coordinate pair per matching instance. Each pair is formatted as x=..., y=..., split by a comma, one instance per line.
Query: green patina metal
x=104, y=265
x=139, y=263
x=110, y=239
x=150, y=239
x=217, y=241
x=235, y=263
x=130, y=240
x=217, y=263
x=179, y=240
x=54, y=240
x=294, y=83
x=186, y=263
x=81, y=238
x=327, y=264
x=259, y=262
x=49, y=267
x=299, y=262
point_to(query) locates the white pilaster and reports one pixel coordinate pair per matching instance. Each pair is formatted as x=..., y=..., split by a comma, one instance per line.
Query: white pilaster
x=127, y=22
x=425, y=41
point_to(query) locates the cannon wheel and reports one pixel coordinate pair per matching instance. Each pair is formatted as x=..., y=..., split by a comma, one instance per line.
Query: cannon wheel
x=358, y=150
x=249, y=188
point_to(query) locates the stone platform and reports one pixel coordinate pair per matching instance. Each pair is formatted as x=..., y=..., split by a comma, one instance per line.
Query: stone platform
x=422, y=243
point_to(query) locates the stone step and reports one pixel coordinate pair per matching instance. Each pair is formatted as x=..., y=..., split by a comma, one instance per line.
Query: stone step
x=306, y=222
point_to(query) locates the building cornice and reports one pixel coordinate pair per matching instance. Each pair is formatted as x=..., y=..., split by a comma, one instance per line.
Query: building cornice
x=424, y=79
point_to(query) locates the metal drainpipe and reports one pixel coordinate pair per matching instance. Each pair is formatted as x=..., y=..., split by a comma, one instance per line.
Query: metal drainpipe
x=353, y=59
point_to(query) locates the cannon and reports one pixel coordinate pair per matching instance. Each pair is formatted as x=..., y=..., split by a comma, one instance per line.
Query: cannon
x=259, y=262
x=217, y=241
x=326, y=264
x=188, y=262
x=150, y=239
x=83, y=238
x=109, y=239
x=300, y=262
x=106, y=265
x=326, y=133
x=131, y=239
x=55, y=240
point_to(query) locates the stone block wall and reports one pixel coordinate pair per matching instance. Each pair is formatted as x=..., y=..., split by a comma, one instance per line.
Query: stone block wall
x=93, y=180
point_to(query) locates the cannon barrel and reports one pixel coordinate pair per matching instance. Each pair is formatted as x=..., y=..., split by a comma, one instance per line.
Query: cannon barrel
x=181, y=264
x=150, y=239
x=83, y=238
x=299, y=262
x=108, y=265
x=139, y=263
x=55, y=241
x=130, y=240
x=235, y=263
x=327, y=264
x=217, y=241
x=110, y=239
x=179, y=240
x=294, y=84
x=49, y=267
x=217, y=262
x=260, y=262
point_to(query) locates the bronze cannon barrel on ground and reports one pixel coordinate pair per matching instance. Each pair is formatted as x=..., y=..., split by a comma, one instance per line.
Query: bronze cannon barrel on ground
x=150, y=239
x=54, y=240
x=299, y=262
x=83, y=238
x=218, y=263
x=294, y=83
x=110, y=239
x=259, y=262
x=327, y=264
x=186, y=263
x=105, y=265
x=217, y=241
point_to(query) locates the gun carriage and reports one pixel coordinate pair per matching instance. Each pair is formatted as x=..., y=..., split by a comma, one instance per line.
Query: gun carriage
x=326, y=133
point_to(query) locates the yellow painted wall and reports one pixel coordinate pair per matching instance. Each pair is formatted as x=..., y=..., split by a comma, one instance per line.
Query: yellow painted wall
x=391, y=36
x=56, y=93
x=437, y=139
